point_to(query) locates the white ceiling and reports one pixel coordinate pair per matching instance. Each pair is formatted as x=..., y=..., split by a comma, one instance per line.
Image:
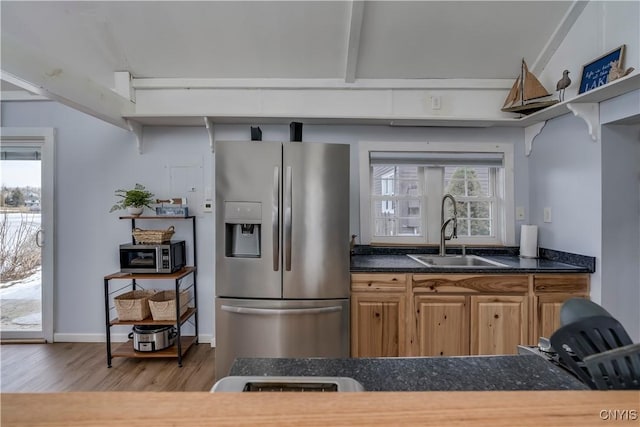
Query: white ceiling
x=286, y=40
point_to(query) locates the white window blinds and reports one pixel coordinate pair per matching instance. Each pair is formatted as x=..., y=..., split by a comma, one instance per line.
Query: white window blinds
x=425, y=158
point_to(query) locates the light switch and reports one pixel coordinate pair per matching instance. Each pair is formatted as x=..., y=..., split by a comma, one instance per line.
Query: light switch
x=520, y=213
x=547, y=214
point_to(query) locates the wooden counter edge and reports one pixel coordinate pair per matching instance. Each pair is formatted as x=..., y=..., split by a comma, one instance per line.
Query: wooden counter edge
x=495, y=408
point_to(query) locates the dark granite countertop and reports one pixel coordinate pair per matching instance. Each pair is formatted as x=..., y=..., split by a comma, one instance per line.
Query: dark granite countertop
x=395, y=260
x=465, y=373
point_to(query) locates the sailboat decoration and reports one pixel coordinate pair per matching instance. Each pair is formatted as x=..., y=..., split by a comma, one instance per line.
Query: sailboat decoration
x=523, y=96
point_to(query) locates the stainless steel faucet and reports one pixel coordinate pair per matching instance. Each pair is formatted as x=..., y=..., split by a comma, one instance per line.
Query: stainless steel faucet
x=443, y=224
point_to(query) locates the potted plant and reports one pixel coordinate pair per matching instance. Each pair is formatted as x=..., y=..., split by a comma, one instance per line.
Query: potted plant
x=133, y=200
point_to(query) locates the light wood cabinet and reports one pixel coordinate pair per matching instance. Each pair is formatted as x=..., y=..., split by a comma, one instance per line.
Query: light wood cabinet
x=498, y=323
x=550, y=291
x=378, y=315
x=483, y=308
x=455, y=314
x=442, y=325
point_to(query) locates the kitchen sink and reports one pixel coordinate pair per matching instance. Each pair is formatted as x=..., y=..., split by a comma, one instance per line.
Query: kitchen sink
x=471, y=261
x=285, y=383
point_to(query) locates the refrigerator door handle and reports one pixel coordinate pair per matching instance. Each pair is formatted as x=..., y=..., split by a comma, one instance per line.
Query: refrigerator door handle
x=271, y=312
x=275, y=218
x=287, y=218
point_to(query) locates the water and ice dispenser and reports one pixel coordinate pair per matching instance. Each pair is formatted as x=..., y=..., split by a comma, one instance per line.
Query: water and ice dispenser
x=242, y=222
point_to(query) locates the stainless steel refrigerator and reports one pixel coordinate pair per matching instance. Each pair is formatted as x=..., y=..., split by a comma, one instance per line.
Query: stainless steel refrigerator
x=282, y=250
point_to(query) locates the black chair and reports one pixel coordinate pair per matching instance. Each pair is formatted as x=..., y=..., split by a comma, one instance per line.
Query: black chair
x=617, y=369
x=596, y=337
x=575, y=309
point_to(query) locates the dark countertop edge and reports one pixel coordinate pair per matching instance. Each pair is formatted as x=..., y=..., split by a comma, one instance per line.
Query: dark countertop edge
x=492, y=270
x=575, y=263
x=451, y=250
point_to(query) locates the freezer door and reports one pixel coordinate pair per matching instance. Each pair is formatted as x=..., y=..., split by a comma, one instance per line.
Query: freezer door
x=260, y=328
x=315, y=220
x=249, y=181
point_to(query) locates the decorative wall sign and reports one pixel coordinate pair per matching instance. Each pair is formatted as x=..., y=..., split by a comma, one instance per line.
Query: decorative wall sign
x=172, y=211
x=596, y=72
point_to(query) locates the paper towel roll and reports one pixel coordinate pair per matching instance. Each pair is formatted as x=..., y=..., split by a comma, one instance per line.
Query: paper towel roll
x=529, y=241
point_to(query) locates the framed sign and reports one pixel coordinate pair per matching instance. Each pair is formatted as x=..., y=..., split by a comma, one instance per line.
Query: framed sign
x=596, y=72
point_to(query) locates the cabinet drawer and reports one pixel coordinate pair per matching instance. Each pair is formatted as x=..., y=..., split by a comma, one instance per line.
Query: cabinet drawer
x=561, y=283
x=465, y=283
x=379, y=282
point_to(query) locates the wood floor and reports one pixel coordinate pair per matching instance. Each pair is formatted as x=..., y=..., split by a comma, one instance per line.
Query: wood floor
x=83, y=367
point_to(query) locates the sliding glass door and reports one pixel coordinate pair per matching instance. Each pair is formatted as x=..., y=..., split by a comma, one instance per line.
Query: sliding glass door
x=26, y=234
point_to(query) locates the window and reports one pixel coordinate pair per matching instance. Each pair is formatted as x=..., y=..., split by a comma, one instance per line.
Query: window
x=473, y=189
x=396, y=200
x=402, y=192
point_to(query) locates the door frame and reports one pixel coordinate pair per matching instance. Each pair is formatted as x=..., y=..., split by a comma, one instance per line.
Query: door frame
x=44, y=137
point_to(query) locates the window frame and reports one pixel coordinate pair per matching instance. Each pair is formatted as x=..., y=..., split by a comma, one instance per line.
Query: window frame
x=504, y=194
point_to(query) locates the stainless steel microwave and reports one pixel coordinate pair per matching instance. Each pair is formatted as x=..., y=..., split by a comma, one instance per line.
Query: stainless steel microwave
x=153, y=258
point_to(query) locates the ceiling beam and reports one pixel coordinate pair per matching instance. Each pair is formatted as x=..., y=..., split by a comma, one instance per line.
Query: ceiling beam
x=355, y=27
x=21, y=95
x=44, y=76
x=558, y=36
x=195, y=83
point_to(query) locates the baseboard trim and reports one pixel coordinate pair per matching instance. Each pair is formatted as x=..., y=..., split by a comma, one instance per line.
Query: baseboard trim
x=23, y=341
x=115, y=337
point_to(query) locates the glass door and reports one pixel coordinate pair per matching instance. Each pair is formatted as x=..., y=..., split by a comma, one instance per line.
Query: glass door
x=25, y=237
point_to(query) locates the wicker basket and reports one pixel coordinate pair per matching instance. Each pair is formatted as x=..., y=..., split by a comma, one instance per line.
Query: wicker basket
x=163, y=305
x=133, y=305
x=141, y=236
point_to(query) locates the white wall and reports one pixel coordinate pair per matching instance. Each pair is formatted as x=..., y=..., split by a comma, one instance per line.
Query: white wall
x=593, y=190
x=564, y=174
x=621, y=225
x=602, y=26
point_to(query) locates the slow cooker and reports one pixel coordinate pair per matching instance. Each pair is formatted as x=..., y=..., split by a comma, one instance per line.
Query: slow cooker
x=152, y=338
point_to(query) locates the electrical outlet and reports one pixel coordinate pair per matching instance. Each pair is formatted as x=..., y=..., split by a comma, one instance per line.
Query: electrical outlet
x=436, y=101
x=547, y=214
x=207, y=206
x=520, y=213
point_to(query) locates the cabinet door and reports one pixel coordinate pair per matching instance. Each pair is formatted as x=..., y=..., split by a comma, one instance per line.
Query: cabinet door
x=551, y=291
x=377, y=324
x=498, y=323
x=548, y=313
x=442, y=324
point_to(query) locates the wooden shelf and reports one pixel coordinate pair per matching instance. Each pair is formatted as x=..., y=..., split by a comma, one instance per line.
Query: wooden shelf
x=157, y=276
x=149, y=320
x=126, y=350
x=611, y=90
